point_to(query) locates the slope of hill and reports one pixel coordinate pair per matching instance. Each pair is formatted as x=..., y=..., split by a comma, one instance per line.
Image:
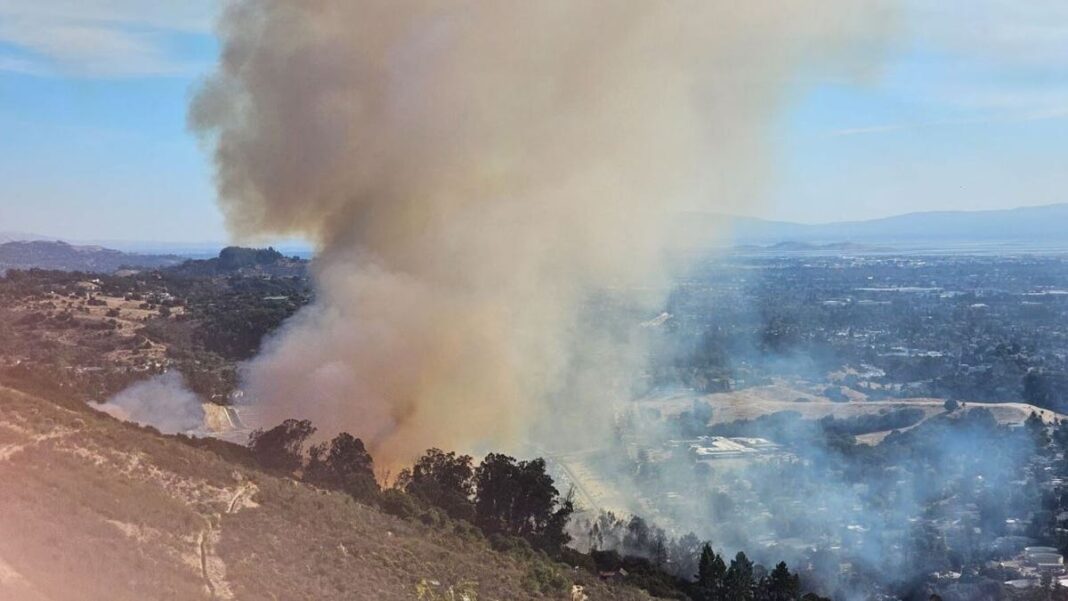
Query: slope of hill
x=92, y=508
x=19, y=236
x=66, y=257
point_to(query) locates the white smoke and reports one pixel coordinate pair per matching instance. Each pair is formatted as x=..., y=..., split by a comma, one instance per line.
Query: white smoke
x=164, y=402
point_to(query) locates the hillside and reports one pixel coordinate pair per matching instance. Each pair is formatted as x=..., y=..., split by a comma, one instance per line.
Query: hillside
x=8, y=236
x=106, y=510
x=90, y=337
x=234, y=260
x=66, y=257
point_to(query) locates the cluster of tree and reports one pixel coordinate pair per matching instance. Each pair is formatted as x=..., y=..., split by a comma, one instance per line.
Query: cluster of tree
x=714, y=580
x=952, y=459
x=786, y=315
x=683, y=567
x=872, y=422
x=234, y=327
x=960, y=462
x=235, y=259
x=1046, y=389
x=223, y=320
x=513, y=500
x=788, y=426
x=742, y=581
x=502, y=495
x=341, y=464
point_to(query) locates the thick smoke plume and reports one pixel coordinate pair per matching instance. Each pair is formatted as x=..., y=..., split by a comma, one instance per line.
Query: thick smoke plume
x=472, y=171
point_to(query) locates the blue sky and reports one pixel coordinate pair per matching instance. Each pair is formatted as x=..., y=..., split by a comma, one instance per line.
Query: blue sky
x=969, y=110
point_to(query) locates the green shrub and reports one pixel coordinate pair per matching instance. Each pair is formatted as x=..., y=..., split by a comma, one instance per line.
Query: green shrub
x=544, y=579
x=399, y=503
x=433, y=517
x=431, y=591
x=511, y=544
x=466, y=530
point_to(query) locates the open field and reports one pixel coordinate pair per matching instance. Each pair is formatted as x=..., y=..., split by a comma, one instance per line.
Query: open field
x=119, y=316
x=751, y=403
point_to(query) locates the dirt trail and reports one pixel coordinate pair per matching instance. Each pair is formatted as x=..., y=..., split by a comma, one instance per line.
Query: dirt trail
x=241, y=498
x=212, y=567
x=202, y=545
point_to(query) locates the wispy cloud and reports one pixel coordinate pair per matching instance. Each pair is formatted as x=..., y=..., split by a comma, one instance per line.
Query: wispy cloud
x=177, y=15
x=1021, y=34
x=100, y=38
x=977, y=62
x=13, y=64
x=870, y=129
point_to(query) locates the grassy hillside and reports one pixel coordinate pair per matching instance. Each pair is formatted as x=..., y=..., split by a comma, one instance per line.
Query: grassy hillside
x=91, y=508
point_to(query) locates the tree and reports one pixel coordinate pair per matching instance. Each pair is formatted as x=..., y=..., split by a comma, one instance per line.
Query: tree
x=518, y=498
x=343, y=465
x=607, y=531
x=638, y=538
x=684, y=554
x=928, y=549
x=1060, y=434
x=442, y=479
x=738, y=584
x=1037, y=428
x=950, y=405
x=711, y=572
x=282, y=447
x=1036, y=389
x=781, y=585
x=658, y=551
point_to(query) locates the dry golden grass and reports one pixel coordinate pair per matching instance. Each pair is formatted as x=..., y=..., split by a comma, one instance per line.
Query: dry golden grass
x=91, y=508
x=751, y=403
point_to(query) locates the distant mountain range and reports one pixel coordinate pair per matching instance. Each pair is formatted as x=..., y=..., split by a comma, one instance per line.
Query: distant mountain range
x=19, y=237
x=246, y=261
x=1032, y=225
x=231, y=260
x=66, y=257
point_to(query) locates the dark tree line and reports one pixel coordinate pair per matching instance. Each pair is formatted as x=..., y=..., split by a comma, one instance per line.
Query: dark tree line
x=341, y=464
x=502, y=495
x=515, y=500
x=742, y=581
x=684, y=567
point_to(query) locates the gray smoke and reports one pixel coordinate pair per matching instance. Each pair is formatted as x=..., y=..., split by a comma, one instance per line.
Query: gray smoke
x=473, y=172
x=164, y=402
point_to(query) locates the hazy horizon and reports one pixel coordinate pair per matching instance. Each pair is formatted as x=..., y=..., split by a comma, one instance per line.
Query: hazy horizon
x=303, y=246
